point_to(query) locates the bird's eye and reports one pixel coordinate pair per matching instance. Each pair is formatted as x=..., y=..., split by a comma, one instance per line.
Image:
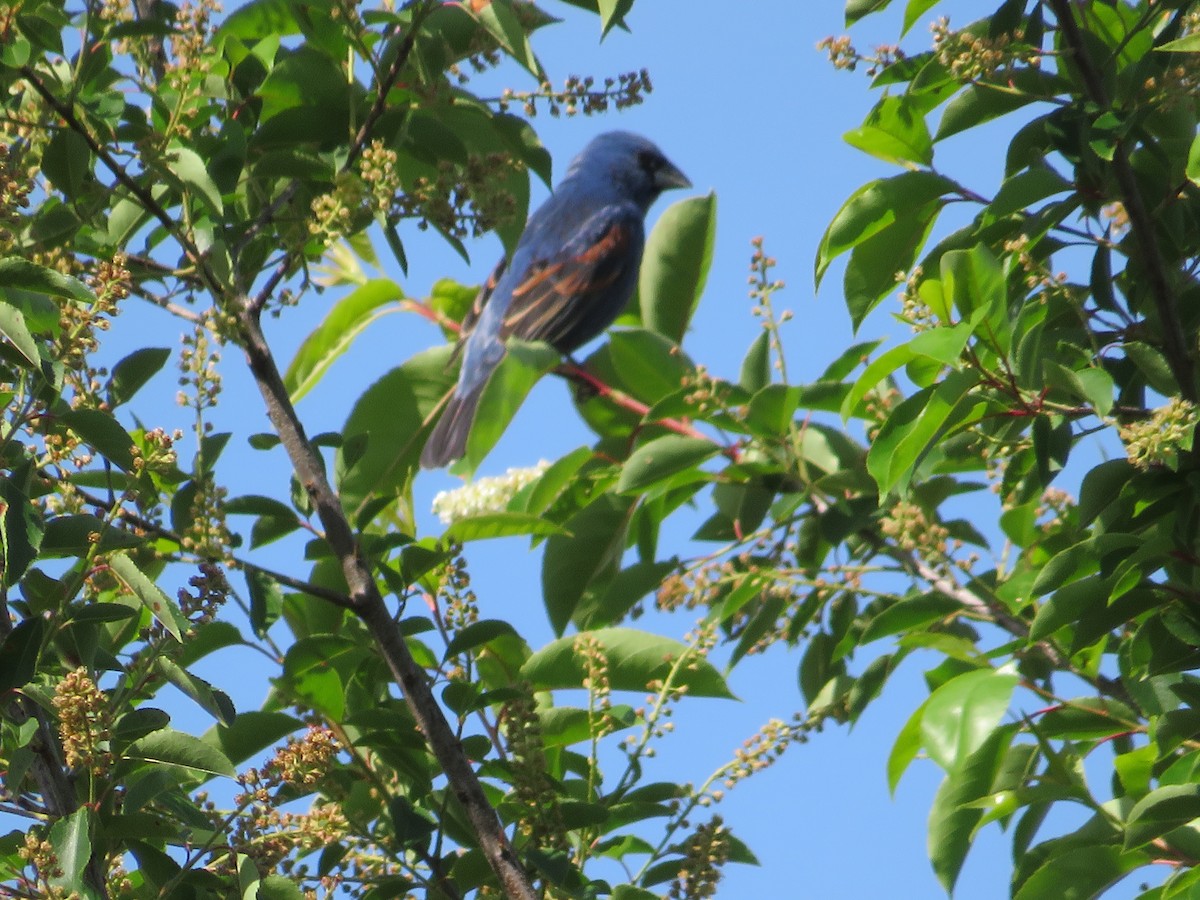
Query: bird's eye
x=648, y=162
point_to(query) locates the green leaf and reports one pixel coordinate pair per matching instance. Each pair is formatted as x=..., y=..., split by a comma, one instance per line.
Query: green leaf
x=131, y=374
x=19, y=654
x=590, y=556
x=979, y=103
x=916, y=425
x=660, y=458
x=216, y=703
x=67, y=161
x=974, y=280
x=501, y=524
x=612, y=12
x=392, y=413
x=477, y=634
x=103, y=432
x=175, y=748
x=905, y=748
x=21, y=528
x=914, y=11
x=266, y=600
x=1187, y=44
x=941, y=345
x=1080, y=873
x=895, y=132
x=874, y=207
x=523, y=365
x=277, y=887
x=27, y=276
x=635, y=659
x=858, y=9
x=613, y=600
x=910, y=614
x=185, y=167
x=1160, y=812
x=72, y=849
x=953, y=817
x=649, y=365
x=251, y=733
x=161, y=606
x=348, y=318
x=1101, y=486
x=13, y=327
x=1023, y=189
x=756, y=367
x=675, y=265
x=72, y=535
x=502, y=23
x=871, y=271
x=961, y=715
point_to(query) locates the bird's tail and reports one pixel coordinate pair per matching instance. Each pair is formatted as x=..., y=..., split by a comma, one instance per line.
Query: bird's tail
x=448, y=440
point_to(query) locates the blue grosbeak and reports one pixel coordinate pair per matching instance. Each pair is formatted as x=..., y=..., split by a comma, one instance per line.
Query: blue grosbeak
x=571, y=274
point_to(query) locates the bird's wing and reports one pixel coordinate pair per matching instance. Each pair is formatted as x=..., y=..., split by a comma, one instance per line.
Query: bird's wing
x=569, y=295
x=485, y=294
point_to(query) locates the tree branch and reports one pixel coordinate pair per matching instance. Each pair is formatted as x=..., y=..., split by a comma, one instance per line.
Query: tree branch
x=66, y=110
x=369, y=605
x=1140, y=220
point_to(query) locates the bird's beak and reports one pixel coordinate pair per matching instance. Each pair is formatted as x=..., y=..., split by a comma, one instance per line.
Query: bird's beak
x=670, y=177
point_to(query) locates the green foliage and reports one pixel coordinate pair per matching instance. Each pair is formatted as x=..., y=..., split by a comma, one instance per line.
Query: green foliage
x=218, y=172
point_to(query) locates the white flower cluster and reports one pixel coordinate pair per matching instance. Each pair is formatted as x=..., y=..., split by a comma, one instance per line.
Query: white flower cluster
x=487, y=495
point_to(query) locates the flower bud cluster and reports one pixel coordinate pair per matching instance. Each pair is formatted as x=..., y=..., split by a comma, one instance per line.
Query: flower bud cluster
x=156, y=452
x=579, y=95
x=915, y=532
x=591, y=654
x=83, y=723
x=535, y=794
x=377, y=168
x=38, y=852
x=977, y=57
x=14, y=195
x=1164, y=437
x=705, y=852
x=200, y=376
x=763, y=748
x=208, y=594
x=843, y=55
x=264, y=833
x=463, y=200
x=913, y=308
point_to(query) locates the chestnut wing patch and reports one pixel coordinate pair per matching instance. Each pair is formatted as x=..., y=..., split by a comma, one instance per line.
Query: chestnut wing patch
x=558, y=297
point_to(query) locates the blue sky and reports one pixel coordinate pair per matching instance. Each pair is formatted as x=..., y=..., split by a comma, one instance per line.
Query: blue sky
x=748, y=108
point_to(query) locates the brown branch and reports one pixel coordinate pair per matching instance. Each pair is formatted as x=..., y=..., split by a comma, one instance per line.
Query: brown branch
x=66, y=111
x=369, y=605
x=575, y=372
x=1140, y=220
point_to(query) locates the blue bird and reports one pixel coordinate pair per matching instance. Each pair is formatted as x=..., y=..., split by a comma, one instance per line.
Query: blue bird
x=571, y=274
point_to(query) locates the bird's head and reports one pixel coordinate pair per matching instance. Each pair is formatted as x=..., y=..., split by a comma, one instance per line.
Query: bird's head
x=631, y=163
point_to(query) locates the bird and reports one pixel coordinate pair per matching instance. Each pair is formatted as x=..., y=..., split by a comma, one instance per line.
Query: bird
x=570, y=275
